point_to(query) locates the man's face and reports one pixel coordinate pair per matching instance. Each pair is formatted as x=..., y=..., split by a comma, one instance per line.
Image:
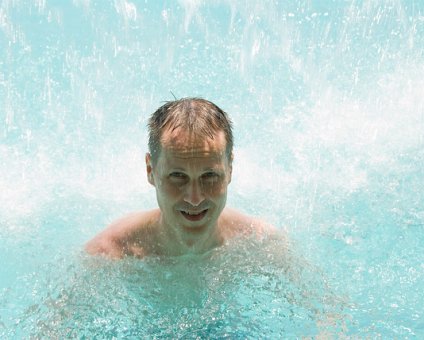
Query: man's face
x=191, y=177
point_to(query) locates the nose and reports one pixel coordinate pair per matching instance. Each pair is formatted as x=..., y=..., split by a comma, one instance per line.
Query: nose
x=194, y=194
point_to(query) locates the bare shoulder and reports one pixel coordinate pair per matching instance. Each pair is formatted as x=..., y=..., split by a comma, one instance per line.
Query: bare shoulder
x=125, y=236
x=234, y=223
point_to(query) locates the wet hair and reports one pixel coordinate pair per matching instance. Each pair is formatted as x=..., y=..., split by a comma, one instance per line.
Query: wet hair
x=195, y=115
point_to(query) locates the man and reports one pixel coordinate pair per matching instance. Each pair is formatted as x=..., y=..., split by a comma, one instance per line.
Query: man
x=190, y=166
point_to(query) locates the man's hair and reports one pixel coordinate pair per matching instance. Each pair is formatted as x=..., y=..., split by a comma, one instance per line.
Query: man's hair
x=195, y=115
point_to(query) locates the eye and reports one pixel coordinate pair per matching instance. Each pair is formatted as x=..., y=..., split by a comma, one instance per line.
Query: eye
x=210, y=176
x=178, y=176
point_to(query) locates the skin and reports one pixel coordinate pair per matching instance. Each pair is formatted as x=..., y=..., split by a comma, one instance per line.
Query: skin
x=191, y=176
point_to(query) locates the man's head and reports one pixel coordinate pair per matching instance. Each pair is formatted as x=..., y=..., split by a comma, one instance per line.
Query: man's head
x=197, y=116
x=190, y=165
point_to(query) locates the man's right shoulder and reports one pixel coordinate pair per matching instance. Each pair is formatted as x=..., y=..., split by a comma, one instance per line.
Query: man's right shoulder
x=128, y=235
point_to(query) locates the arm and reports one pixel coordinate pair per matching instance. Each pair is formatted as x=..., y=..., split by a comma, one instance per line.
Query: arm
x=124, y=237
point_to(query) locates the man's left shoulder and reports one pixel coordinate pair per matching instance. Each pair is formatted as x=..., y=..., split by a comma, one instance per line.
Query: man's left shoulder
x=237, y=223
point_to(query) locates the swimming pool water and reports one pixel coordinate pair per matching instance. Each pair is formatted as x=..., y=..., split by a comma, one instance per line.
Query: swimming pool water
x=328, y=106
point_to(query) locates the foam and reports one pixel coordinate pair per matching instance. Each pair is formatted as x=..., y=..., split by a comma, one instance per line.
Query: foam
x=30, y=182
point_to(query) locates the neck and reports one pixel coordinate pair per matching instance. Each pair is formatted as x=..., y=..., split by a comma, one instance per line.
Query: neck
x=174, y=242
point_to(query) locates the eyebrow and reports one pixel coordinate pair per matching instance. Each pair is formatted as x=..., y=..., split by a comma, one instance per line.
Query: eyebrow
x=177, y=169
x=204, y=169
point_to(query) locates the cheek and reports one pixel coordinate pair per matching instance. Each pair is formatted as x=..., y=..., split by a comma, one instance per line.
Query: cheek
x=215, y=189
x=169, y=189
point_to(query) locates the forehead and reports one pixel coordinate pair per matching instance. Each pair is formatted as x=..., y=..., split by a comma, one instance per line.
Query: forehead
x=182, y=144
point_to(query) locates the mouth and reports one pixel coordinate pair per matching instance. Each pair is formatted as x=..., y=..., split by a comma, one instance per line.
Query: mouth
x=194, y=216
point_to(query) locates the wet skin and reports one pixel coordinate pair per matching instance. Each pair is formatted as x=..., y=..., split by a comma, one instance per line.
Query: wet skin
x=190, y=176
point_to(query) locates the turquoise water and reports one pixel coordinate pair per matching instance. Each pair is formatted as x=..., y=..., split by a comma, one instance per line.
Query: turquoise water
x=328, y=106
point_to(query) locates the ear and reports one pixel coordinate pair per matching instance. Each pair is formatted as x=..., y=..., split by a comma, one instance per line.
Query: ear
x=149, y=169
x=231, y=167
